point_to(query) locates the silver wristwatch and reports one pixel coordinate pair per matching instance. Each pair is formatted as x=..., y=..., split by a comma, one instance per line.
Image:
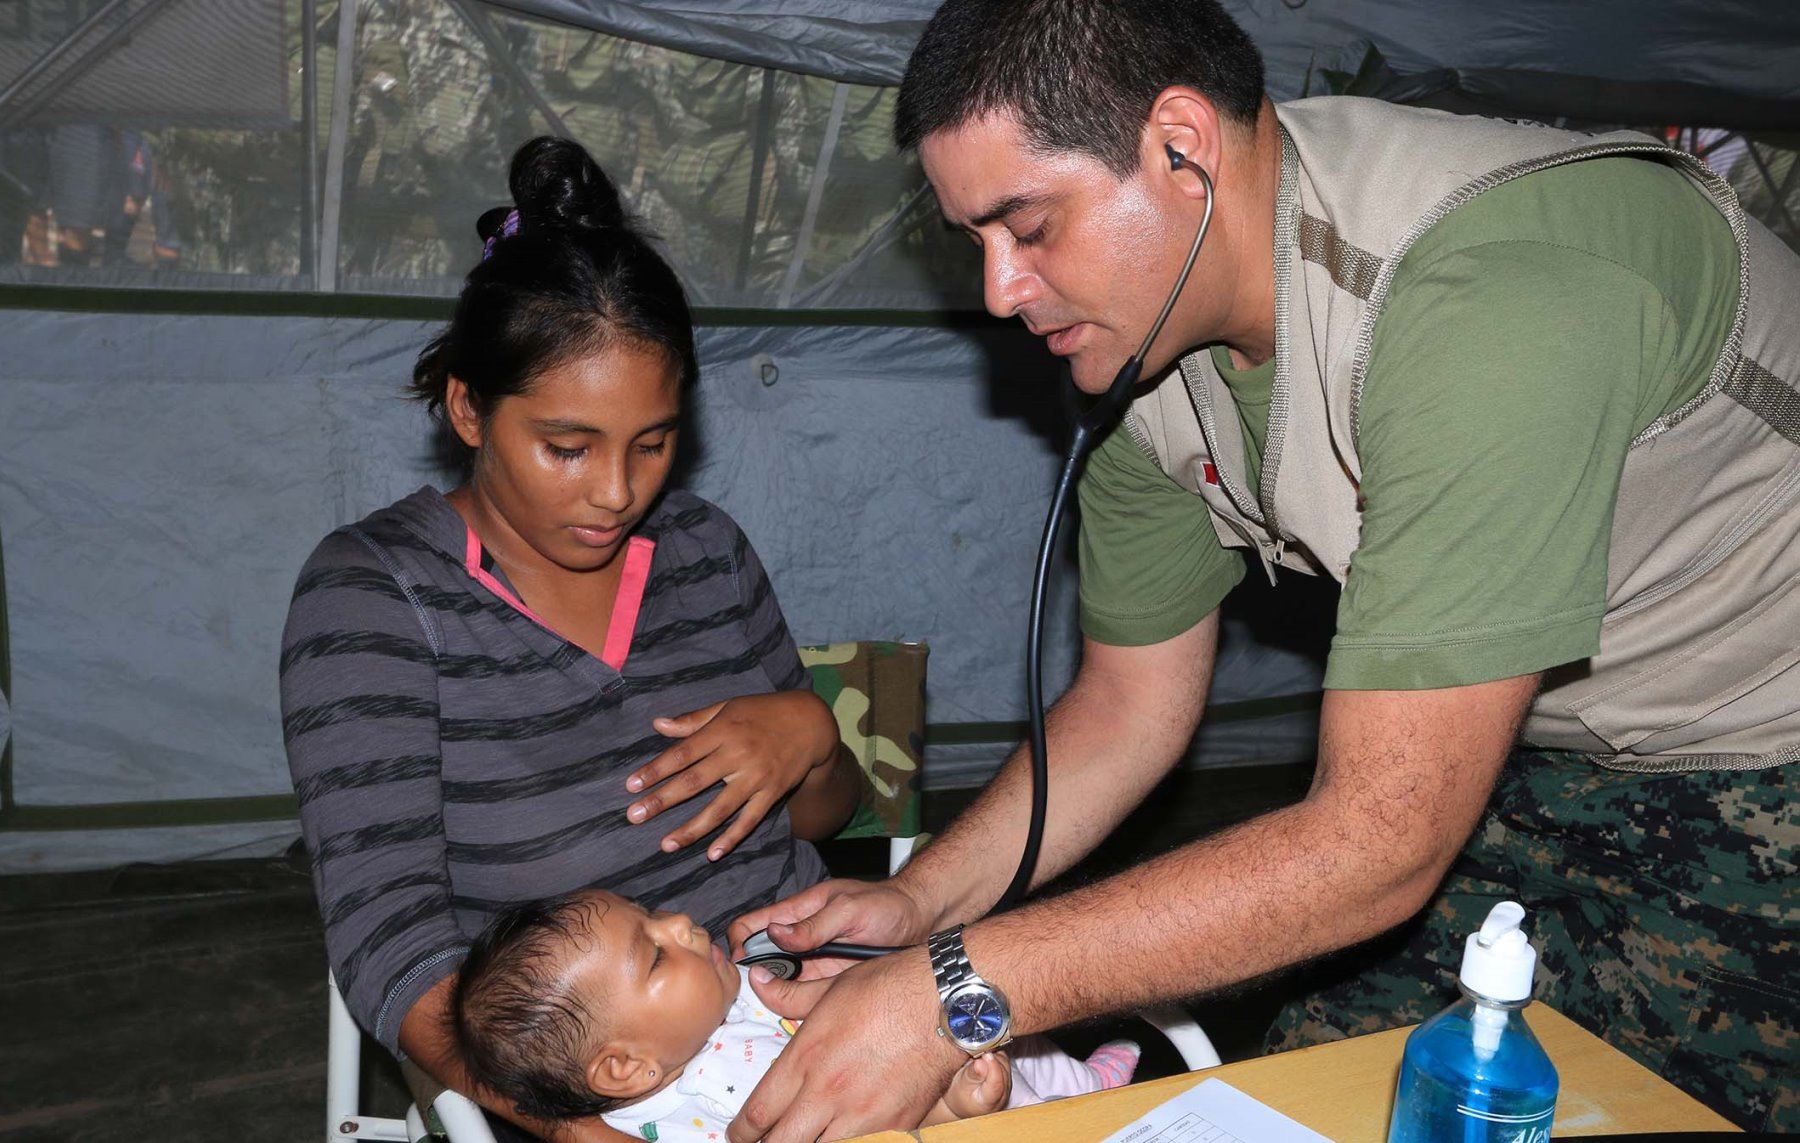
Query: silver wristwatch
x=974, y=1014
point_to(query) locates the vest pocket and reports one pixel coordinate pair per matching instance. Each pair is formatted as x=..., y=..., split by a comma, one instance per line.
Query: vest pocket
x=1732, y=679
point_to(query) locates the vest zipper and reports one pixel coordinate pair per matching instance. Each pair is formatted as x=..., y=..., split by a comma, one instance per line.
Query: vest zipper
x=1135, y=426
x=1202, y=402
x=1287, y=240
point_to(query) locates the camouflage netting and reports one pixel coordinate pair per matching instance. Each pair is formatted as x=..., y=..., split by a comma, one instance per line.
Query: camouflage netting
x=176, y=143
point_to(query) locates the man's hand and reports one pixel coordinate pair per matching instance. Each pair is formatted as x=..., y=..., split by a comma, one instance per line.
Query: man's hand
x=859, y=912
x=877, y=1020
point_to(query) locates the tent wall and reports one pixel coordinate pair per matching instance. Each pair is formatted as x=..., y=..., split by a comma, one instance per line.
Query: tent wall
x=166, y=475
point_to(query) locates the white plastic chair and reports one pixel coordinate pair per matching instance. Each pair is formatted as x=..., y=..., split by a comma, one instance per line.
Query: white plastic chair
x=461, y=1118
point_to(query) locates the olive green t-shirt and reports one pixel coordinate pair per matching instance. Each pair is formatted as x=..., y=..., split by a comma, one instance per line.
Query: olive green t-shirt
x=1527, y=339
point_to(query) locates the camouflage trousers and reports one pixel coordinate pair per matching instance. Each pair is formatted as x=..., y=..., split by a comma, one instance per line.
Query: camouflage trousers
x=1666, y=911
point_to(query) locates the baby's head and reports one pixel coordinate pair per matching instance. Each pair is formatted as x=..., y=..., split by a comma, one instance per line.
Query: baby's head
x=572, y=1006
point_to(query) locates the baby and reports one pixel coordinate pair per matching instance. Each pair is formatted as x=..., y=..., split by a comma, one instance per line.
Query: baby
x=589, y=1004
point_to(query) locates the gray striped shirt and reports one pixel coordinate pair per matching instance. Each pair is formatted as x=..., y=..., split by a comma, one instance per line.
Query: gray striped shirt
x=452, y=755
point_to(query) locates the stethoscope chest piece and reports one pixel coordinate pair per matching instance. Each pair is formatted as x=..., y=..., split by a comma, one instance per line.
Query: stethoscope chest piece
x=762, y=952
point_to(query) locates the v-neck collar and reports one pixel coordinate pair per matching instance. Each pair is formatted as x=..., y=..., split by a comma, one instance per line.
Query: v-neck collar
x=633, y=580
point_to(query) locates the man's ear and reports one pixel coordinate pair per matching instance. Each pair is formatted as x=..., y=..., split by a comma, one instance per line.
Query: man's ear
x=1186, y=120
x=620, y=1071
x=459, y=408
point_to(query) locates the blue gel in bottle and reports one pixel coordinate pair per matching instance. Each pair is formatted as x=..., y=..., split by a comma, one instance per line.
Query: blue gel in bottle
x=1475, y=1073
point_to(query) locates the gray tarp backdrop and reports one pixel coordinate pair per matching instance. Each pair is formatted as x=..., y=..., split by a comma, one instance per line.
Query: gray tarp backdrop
x=165, y=476
x=168, y=457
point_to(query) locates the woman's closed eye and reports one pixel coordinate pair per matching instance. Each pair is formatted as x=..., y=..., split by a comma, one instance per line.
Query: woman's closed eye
x=568, y=453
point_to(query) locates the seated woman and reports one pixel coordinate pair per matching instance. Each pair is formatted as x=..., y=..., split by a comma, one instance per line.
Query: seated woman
x=487, y=694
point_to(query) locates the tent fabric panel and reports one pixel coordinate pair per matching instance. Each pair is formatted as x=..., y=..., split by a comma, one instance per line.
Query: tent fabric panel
x=844, y=40
x=61, y=851
x=168, y=474
x=214, y=63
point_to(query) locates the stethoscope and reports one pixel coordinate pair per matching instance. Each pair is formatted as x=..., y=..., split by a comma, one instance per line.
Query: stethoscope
x=760, y=950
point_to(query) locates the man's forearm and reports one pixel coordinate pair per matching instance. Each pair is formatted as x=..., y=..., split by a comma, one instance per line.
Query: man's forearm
x=1112, y=736
x=1212, y=914
x=1401, y=784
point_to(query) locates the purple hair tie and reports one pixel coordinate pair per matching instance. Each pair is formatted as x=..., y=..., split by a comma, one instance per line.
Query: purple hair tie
x=509, y=226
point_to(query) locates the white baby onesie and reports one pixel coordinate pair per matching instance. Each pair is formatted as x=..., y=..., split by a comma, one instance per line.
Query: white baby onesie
x=712, y=1088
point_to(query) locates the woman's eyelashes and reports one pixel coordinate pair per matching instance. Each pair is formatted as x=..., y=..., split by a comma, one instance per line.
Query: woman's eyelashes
x=576, y=452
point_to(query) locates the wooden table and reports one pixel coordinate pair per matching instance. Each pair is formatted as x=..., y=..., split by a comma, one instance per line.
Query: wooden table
x=1345, y=1091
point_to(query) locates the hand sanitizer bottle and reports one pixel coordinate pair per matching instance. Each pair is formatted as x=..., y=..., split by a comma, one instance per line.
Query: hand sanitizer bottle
x=1474, y=1073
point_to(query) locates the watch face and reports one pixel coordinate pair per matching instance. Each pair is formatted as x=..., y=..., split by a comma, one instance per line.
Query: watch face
x=976, y=1016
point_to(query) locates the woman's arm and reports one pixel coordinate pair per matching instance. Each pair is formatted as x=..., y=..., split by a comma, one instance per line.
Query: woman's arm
x=360, y=722
x=823, y=803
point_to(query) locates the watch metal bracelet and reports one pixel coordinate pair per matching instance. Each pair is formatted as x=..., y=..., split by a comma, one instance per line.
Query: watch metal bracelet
x=949, y=961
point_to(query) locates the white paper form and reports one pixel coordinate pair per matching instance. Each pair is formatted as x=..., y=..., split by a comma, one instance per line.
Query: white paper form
x=1214, y=1112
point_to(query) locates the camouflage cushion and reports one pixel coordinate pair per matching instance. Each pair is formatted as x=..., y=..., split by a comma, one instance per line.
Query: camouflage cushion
x=877, y=691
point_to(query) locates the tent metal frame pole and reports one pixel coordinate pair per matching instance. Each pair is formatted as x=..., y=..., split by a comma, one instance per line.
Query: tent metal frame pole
x=765, y=124
x=884, y=235
x=473, y=16
x=111, y=40
x=57, y=50
x=834, y=126
x=1768, y=177
x=325, y=274
x=309, y=148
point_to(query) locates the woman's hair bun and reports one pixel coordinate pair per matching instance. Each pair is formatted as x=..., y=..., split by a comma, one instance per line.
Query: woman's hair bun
x=489, y=224
x=556, y=182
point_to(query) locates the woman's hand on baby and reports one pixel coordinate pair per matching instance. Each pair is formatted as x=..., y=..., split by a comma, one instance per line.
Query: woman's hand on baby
x=760, y=746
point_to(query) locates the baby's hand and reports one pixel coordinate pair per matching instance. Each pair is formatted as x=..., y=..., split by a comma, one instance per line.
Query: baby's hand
x=981, y=1087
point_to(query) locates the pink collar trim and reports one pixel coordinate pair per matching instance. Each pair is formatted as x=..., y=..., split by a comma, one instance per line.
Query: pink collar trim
x=626, y=607
x=630, y=600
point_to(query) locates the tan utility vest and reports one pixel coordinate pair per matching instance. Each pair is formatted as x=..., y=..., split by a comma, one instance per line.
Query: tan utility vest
x=1699, y=662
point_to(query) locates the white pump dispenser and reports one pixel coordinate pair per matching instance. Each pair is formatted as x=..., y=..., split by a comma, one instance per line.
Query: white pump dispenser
x=1498, y=961
x=1496, y=971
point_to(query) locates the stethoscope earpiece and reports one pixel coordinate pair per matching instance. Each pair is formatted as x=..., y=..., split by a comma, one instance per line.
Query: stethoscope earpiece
x=1176, y=158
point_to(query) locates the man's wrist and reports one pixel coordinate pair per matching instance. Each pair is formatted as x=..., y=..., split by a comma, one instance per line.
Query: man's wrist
x=927, y=912
x=915, y=965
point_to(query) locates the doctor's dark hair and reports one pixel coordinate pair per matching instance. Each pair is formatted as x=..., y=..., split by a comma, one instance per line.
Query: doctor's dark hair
x=566, y=277
x=521, y=1034
x=1077, y=75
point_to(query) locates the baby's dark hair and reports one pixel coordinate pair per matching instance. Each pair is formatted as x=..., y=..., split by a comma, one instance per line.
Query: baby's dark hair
x=573, y=276
x=521, y=1033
